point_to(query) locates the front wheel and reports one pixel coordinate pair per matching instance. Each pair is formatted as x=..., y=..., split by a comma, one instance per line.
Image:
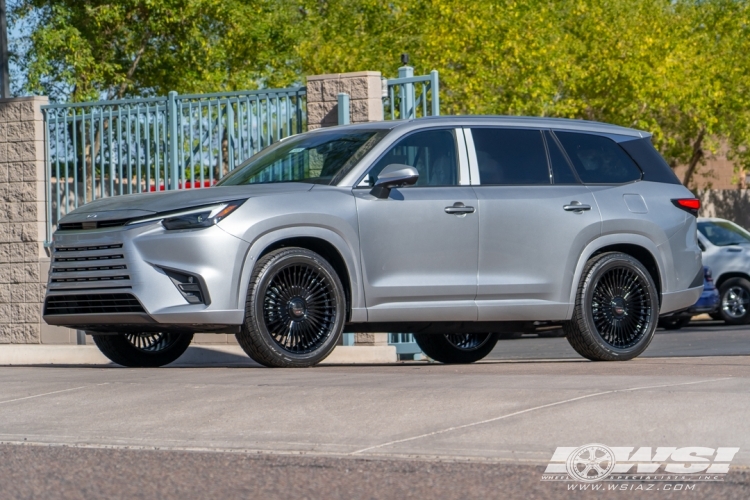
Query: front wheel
x=735, y=301
x=295, y=309
x=456, y=348
x=616, y=309
x=145, y=350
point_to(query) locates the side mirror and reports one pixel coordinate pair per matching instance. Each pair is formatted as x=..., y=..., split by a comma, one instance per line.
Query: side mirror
x=393, y=176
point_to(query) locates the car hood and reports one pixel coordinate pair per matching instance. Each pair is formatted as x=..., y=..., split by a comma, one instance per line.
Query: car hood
x=145, y=204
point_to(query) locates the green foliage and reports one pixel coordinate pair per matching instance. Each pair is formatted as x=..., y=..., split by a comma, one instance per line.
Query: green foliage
x=89, y=49
x=678, y=68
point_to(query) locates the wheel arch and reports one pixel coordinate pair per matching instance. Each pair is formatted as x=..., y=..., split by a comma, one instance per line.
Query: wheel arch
x=639, y=253
x=729, y=275
x=328, y=244
x=637, y=246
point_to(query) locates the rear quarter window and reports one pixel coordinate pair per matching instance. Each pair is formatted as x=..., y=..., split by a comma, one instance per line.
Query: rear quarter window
x=654, y=167
x=598, y=159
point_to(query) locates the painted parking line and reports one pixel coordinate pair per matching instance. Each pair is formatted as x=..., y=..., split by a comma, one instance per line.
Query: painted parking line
x=50, y=393
x=528, y=410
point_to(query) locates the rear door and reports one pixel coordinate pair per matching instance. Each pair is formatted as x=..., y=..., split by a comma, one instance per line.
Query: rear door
x=535, y=218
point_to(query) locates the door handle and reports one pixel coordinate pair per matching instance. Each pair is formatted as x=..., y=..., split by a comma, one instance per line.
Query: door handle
x=576, y=206
x=459, y=208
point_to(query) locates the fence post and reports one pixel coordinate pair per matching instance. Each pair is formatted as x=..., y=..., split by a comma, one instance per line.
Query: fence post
x=172, y=141
x=343, y=108
x=406, y=92
x=435, y=89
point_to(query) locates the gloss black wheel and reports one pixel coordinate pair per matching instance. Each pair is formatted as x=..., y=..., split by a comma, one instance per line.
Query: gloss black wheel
x=143, y=349
x=456, y=348
x=295, y=309
x=151, y=342
x=621, y=307
x=299, y=308
x=616, y=309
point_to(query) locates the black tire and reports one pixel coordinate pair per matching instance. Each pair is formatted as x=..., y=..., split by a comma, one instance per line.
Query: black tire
x=549, y=334
x=295, y=309
x=616, y=309
x=456, y=348
x=146, y=350
x=509, y=335
x=734, y=307
x=674, y=322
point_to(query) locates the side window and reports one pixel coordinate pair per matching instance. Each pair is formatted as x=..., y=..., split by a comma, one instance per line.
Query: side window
x=510, y=156
x=597, y=159
x=432, y=153
x=561, y=172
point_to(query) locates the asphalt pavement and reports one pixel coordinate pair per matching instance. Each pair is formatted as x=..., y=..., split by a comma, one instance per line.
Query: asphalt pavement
x=410, y=430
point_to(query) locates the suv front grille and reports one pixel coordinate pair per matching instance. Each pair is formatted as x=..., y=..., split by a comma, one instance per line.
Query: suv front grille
x=89, y=266
x=92, y=303
x=77, y=226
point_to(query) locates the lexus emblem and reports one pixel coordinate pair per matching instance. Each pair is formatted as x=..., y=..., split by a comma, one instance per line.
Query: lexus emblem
x=91, y=216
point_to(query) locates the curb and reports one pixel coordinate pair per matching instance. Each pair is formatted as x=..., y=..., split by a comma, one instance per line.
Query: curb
x=204, y=355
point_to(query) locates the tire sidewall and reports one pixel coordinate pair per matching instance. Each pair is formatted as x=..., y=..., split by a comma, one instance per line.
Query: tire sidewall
x=119, y=350
x=439, y=348
x=592, y=278
x=257, y=299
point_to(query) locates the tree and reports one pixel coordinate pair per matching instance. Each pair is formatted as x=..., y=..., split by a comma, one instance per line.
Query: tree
x=678, y=68
x=90, y=49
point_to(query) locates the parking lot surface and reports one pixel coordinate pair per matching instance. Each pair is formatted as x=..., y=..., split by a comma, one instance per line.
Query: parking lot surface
x=369, y=431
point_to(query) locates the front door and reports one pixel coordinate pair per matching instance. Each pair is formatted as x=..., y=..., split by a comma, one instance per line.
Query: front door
x=419, y=254
x=535, y=219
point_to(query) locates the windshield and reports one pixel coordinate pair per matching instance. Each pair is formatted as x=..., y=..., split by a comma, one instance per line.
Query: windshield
x=723, y=233
x=319, y=158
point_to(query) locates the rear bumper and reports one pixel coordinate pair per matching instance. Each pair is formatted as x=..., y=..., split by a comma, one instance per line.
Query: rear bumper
x=681, y=300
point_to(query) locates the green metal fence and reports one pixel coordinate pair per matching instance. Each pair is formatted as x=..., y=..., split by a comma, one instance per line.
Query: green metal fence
x=109, y=148
x=412, y=96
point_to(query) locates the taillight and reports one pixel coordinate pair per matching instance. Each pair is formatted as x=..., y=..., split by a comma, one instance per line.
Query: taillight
x=707, y=275
x=690, y=205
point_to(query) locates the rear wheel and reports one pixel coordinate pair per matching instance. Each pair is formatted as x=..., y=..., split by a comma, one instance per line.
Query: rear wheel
x=295, y=309
x=143, y=349
x=616, y=309
x=456, y=348
x=735, y=301
x=674, y=322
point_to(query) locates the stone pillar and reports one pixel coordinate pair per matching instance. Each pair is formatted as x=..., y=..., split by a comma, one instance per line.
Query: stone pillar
x=371, y=339
x=22, y=221
x=365, y=92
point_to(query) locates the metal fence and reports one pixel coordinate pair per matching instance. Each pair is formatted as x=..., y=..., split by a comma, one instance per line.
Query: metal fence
x=109, y=148
x=410, y=96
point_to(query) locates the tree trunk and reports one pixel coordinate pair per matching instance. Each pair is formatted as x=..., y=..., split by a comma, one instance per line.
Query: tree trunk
x=696, y=157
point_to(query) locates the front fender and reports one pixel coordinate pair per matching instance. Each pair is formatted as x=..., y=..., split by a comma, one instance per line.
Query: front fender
x=349, y=255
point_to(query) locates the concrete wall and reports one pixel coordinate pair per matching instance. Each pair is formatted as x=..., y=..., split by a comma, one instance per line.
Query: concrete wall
x=731, y=204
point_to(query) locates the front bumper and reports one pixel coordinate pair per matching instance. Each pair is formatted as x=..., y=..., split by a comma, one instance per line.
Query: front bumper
x=118, y=279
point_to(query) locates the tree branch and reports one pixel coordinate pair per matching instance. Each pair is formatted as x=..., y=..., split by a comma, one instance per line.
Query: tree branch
x=696, y=157
x=133, y=66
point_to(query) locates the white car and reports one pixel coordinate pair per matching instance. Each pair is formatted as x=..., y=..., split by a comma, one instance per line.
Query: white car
x=726, y=250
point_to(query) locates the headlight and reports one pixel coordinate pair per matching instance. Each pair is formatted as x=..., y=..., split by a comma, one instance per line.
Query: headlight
x=194, y=218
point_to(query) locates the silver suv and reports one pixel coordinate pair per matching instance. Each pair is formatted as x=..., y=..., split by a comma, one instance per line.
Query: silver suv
x=456, y=229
